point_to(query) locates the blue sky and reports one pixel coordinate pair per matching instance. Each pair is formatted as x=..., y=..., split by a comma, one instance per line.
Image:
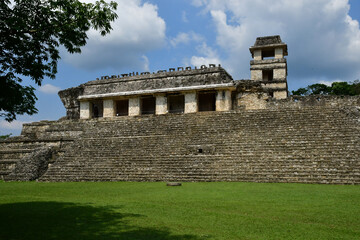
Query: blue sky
x=323, y=38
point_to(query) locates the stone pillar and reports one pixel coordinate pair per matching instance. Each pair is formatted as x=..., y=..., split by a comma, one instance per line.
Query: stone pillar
x=279, y=53
x=161, y=105
x=191, y=104
x=109, y=108
x=223, y=100
x=85, y=110
x=257, y=55
x=256, y=75
x=134, y=106
x=280, y=73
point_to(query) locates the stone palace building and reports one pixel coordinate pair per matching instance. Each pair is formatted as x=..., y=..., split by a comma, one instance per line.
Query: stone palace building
x=193, y=124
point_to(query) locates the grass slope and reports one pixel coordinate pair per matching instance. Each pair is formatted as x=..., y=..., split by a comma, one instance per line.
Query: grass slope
x=125, y=210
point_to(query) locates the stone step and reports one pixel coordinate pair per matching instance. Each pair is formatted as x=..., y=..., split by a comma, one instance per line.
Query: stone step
x=291, y=145
x=8, y=161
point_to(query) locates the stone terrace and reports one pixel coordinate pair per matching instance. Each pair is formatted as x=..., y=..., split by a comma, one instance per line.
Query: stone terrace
x=309, y=145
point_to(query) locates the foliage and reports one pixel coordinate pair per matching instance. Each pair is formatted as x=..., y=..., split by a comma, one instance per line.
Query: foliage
x=221, y=210
x=31, y=32
x=300, y=92
x=5, y=136
x=336, y=88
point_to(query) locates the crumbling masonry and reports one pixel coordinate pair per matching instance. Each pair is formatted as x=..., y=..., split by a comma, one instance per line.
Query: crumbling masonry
x=189, y=124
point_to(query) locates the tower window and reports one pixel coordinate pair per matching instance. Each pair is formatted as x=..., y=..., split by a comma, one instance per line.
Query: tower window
x=268, y=53
x=268, y=75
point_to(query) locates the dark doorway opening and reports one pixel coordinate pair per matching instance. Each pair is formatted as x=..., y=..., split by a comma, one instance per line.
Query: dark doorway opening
x=148, y=105
x=97, y=109
x=176, y=103
x=122, y=107
x=206, y=101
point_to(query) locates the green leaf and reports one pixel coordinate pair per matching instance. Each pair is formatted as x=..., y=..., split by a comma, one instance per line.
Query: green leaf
x=31, y=32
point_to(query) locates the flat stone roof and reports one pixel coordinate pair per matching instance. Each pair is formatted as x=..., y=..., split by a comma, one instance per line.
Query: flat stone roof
x=161, y=90
x=269, y=42
x=172, y=72
x=172, y=80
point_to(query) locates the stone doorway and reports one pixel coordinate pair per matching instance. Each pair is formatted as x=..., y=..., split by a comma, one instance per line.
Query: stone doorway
x=207, y=101
x=97, y=109
x=176, y=103
x=148, y=105
x=122, y=107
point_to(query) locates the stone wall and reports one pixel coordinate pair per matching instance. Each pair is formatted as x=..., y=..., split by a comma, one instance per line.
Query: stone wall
x=69, y=98
x=33, y=165
x=161, y=80
x=304, y=140
x=35, y=136
x=315, y=101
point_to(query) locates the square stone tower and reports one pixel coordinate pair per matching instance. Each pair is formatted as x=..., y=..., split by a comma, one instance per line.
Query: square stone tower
x=269, y=65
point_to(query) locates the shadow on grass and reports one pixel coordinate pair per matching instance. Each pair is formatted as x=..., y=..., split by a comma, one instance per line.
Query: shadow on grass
x=57, y=220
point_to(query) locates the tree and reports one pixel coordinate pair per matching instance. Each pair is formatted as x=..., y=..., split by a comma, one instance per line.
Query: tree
x=31, y=32
x=300, y=92
x=355, y=89
x=336, y=88
x=319, y=88
x=5, y=136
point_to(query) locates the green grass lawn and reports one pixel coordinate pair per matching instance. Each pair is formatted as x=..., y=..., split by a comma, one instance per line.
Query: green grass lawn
x=125, y=210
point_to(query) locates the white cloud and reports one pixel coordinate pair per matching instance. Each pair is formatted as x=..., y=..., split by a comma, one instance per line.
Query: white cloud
x=14, y=125
x=209, y=56
x=137, y=30
x=199, y=3
x=180, y=38
x=49, y=89
x=329, y=83
x=184, y=17
x=323, y=40
x=185, y=38
x=146, y=63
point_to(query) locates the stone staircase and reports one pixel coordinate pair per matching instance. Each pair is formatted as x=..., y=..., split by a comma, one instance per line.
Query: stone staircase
x=11, y=151
x=33, y=137
x=305, y=145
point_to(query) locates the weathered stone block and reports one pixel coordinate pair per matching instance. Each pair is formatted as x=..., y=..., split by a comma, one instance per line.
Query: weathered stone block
x=256, y=75
x=223, y=100
x=69, y=98
x=252, y=101
x=134, y=106
x=280, y=73
x=161, y=105
x=85, y=110
x=280, y=94
x=191, y=105
x=109, y=108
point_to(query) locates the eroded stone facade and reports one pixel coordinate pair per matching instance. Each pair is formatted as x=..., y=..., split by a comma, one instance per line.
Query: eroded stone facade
x=208, y=88
x=189, y=124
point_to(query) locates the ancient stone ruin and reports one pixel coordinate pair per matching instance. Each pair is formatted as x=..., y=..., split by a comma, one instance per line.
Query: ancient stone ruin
x=186, y=124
